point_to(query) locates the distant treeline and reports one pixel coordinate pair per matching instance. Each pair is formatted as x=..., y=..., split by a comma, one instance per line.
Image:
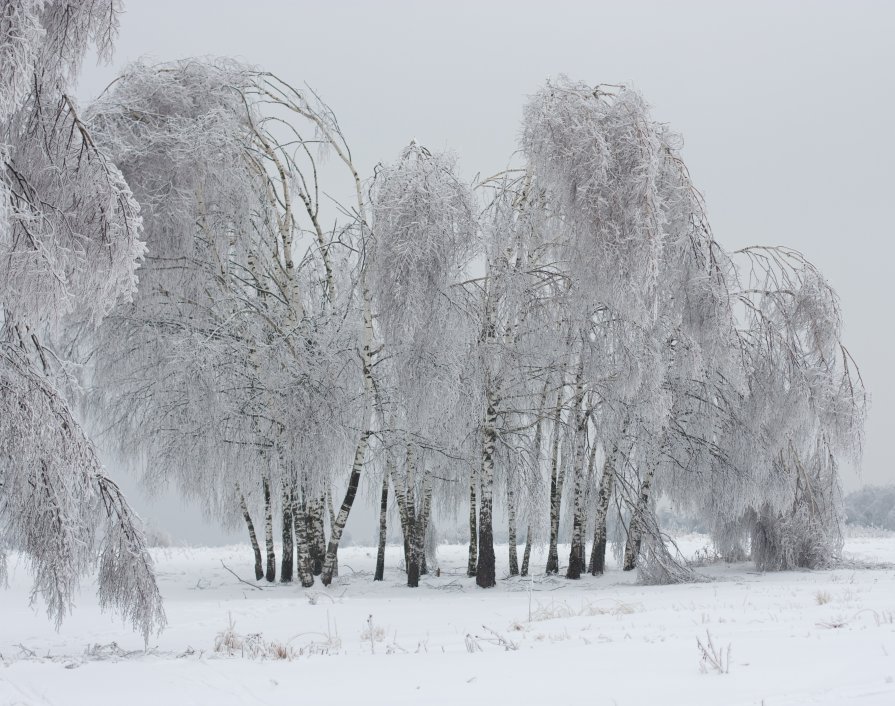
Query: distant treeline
x=872, y=506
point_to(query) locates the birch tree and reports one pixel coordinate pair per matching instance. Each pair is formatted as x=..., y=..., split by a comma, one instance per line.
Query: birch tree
x=70, y=245
x=233, y=371
x=808, y=403
x=424, y=234
x=597, y=156
x=520, y=321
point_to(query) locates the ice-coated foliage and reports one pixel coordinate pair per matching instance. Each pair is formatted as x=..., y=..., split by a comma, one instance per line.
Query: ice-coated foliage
x=69, y=226
x=70, y=240
x=58, y=507
x=70, y=244
x=235, y=359
x=424, y=232
x=579, y=139
x=48, y=39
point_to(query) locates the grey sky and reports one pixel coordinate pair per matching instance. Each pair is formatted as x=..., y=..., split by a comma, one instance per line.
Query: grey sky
x=786, y=109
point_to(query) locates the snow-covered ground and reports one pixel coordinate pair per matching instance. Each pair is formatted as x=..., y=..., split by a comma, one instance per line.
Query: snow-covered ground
x=794, y=638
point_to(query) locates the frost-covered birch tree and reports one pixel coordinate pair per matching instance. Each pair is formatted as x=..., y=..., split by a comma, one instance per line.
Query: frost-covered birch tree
x=234, y=371
x=596, y=155
x=806, y=403
x=424, y=234
x=70, y=245
x=519, y=352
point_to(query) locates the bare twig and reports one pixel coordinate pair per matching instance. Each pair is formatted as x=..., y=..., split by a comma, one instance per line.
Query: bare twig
x=247, y=583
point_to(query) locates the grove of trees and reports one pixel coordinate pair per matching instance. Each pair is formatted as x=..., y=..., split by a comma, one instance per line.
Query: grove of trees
x=564, y=341
x=872, y=506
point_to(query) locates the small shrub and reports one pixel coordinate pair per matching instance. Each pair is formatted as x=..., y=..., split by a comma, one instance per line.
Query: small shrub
x=253, y=646
x=713, y=658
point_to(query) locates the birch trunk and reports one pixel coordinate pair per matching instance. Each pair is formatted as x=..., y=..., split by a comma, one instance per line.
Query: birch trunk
x=316, y=534
x=253, y=538
x=527, y=554
x=576, y=548
x=339, y=523
x=536, y=461
x=423, y=524
x=636, y=524
x=300, y=521
x=360, y=452
x=486, y=572
x=411, y=539
x=556, y=482
x=332, y=522
x=288, y=548
x=271, y=573
x=383, y=528
x=511, y=528
x=286, y=227
x=473, y=535
x=401, y=497
x=413, y=562
x=577, y=554
x=607, y=481
x=579, y=428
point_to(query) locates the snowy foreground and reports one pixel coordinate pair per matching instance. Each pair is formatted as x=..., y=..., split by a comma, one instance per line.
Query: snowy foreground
x=794, y=638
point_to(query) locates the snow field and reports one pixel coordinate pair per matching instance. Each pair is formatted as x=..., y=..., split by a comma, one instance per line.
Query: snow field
x=793, y=637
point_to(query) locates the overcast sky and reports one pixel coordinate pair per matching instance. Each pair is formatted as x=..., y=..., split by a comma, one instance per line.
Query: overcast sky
x=787, y=110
